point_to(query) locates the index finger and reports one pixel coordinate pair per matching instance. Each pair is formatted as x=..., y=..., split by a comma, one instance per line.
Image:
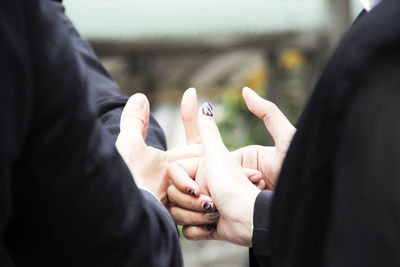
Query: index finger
x=182, y=174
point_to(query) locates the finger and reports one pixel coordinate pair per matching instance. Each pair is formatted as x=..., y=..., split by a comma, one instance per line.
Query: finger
x=135, y=118
x=188, y=217
x=209, y=133
x=262, y=185
x=192, y=151
x=182, y=180
x=217, y=157
x=203, y=203
x=277, y=124
x=189, y=116
x=189, y=165
x=256, y=179
x=254, y=175
x=200, y=232
x=248, y=156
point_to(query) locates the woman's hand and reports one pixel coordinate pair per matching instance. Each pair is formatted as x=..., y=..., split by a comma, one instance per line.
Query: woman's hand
x=192, y=210
x=225, y=181
x=147, y=164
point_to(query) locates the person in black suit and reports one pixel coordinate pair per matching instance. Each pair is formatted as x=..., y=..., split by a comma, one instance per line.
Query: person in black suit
x=67, y=198
x=110, y=101
x=337, y=198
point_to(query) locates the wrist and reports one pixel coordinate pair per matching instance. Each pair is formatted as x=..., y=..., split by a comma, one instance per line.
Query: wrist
x=158, y=193
x=248, y=218
x=242, y=224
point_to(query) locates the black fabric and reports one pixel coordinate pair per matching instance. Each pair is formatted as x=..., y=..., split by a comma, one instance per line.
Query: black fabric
x=337, y=202
x=66, y=196
x=260, y=242
x=110, y=101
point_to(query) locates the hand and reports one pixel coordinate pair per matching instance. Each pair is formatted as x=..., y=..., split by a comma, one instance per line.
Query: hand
x=228, y=185
x=147, y=164
x=268, y=160
x=189, y=211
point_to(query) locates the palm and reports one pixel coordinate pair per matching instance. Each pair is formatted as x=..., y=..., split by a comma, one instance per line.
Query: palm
x=267, y=160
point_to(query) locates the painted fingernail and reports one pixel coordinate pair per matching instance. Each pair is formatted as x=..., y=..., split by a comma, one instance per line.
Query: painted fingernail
x=211, y=227
x=211, y=216
x=192, y=192
x=207, y=206
x=207, y=109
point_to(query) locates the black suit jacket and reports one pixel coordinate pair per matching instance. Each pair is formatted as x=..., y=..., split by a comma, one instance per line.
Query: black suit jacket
x=337, y=202
x=66, y=196
x=110, y=101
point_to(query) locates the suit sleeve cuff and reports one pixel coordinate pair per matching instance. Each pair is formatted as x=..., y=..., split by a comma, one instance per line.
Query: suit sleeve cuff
x=261, y=220
x=143, y=189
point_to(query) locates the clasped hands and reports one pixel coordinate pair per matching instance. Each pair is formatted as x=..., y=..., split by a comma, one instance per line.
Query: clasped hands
x=207, y=189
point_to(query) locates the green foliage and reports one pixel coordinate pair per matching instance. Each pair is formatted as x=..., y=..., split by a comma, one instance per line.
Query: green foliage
x=239, y=127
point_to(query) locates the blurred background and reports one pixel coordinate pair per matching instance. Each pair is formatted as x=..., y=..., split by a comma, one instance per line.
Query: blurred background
x=162, y=47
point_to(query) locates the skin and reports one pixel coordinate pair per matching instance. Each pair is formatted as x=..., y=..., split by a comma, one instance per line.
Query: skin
x=220, y=175
x=204, y=175
x=150, y=168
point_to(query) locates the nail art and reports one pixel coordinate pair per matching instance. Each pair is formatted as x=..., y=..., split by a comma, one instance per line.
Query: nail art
x=211, y=216
x=208, y=206
x=192, y=192
x=211, y=227
x=207, y=109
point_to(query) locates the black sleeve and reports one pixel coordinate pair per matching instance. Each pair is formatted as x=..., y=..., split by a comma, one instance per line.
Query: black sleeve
x=110, y=101
x=260, y=251
x=67, y=198
x=364, y=229
x=15, y=107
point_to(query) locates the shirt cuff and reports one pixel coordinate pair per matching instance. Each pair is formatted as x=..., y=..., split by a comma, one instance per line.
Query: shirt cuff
x=147, y=190
x=261, y=220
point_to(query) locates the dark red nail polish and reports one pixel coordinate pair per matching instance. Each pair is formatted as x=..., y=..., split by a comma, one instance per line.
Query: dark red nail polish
x=192, y=192
x=208, y=206
x=207, y=109
x=211, y=227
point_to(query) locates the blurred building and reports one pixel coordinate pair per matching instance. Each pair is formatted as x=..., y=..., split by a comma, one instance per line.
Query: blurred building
x=162, y=47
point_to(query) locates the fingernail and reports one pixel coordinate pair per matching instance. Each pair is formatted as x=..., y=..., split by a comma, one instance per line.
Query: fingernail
x=207, y=206
x=211, y=216
x=211, y=227
x=251, y=91
x=191, y=89
x=192, y=192
x=139, y=101
x=207, y=109
x=256, y=177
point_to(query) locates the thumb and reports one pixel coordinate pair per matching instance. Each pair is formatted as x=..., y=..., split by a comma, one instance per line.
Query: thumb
x=135, y=119
x=209, y=133
x=277, y=124
x=189, y=116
